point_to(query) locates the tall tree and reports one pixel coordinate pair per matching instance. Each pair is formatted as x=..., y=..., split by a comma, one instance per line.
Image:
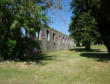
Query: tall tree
x=83, y=29
x=100, y=10
x=17, y=14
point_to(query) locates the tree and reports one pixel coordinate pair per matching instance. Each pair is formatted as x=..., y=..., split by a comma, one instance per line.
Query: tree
x=83, y=29
x=17, y=14
x=99, y=9
x=102, y=15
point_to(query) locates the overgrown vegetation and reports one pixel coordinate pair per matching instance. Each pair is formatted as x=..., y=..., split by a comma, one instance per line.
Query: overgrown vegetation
x=18, y=14
x=14, y=15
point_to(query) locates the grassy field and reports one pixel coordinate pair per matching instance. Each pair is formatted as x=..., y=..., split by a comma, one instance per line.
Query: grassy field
x=74, y=66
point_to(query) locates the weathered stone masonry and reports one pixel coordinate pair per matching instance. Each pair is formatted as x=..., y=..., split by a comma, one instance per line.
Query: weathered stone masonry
x=52, y=40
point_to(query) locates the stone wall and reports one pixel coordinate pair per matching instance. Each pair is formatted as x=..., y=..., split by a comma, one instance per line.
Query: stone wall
x=52, y=40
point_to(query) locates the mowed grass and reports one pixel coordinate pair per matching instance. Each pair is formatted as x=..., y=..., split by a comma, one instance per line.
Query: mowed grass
x=74, y=66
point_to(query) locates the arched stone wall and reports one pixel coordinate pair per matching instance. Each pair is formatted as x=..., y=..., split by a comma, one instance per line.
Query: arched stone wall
x=54, y=40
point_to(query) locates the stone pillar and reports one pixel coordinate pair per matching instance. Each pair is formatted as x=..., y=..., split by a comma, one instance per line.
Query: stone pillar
x=43, y=40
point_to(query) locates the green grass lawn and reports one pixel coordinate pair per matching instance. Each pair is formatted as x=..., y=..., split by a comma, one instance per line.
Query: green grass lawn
x=74, y=66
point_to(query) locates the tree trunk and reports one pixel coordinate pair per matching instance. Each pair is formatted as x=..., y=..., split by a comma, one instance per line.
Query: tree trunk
x=78, y=44
x=105, y=33
x=87, y=45
x=103, y=20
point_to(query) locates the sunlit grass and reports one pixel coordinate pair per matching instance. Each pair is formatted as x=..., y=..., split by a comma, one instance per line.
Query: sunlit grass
x=75, y=66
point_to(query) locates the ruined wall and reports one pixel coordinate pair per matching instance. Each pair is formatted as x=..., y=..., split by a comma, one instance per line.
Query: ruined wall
x=52, y=40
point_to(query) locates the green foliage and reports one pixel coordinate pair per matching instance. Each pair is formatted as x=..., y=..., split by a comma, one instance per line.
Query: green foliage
x=25, y=47
x=11, y=44
x=15, y=14
x=83, y=26
x=102, y=15
x=99, y=9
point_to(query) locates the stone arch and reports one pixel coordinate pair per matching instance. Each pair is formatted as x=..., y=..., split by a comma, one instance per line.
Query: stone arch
x=40, y=35
x=47, y=35
x=37, y=35
x=63, y=40
x=54, y=35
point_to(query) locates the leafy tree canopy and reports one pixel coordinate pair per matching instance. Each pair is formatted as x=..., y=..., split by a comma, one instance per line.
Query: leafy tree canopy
x=99, y=9
x=17, y=14
x=83, y=26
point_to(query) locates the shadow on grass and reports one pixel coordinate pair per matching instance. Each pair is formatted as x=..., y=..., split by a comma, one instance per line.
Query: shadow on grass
x=96, y=54
x=37, y=58
x=102, y=57
x=84, y=50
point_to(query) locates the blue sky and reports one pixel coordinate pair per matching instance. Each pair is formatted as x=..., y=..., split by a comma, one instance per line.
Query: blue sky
x=61, y=18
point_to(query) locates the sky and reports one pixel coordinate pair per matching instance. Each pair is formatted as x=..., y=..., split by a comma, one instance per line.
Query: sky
x=60, y=19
